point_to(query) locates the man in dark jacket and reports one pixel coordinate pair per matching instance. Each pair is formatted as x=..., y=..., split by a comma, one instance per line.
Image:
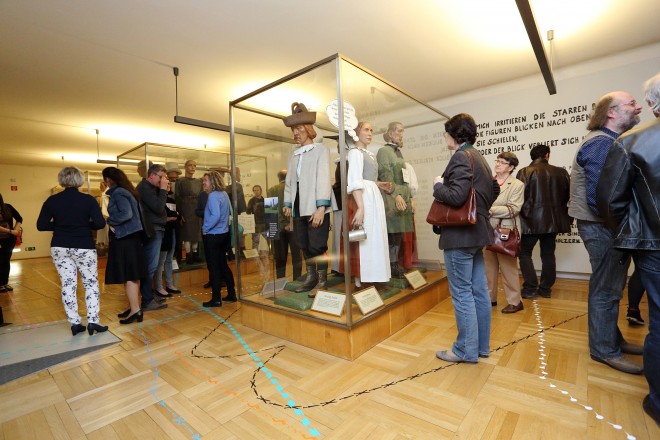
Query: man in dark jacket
x=629, y=202
x=544, y=214
x=153, y=195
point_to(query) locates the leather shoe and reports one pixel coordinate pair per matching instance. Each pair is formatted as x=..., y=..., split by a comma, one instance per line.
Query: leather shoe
x=446, y=356
x=513, y=309
x=154, y=305
x=212, y=304
x=528, y=295
x=157, y=294
x=230, y=299
x=207, y=285
x=628, y=348
x=621, y=364
x=168, y=290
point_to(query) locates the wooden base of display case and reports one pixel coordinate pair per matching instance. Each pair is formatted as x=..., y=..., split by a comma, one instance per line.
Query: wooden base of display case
x=337, y=340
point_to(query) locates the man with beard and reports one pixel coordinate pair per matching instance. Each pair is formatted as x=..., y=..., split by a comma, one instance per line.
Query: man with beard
x=628, y=199
x=614, y=114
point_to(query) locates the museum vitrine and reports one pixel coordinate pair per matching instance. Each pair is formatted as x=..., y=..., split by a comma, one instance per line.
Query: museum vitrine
x=373, y=151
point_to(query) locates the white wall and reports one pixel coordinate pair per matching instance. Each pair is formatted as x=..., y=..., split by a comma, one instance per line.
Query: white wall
x=33, y=185
x=578, y=88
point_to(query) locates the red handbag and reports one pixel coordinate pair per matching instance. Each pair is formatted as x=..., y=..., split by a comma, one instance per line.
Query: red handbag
x=506, y=241
x=19, y=238
x=442, y=214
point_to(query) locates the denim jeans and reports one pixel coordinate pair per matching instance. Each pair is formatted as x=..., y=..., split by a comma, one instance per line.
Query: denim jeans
x=165, y=263
x=151, y=253
x=648, y=264
x=609, y=270
x=548, y=263
x=469, y=293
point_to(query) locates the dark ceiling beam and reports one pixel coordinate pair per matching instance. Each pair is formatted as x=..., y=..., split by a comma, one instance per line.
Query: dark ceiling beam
x=534, y=35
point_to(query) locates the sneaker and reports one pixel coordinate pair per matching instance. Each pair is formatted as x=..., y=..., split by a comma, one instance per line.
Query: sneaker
x=634, y=317
x=154, y=305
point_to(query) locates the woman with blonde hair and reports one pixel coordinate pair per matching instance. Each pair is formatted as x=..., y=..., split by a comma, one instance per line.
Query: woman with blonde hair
x=72, y=216
x=216, y=238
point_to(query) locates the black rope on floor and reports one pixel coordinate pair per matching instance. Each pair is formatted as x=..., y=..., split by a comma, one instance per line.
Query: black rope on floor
x=398, y=381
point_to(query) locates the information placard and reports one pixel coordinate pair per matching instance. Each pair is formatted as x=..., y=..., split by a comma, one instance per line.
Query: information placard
x=416, y=279
x=274, y=285
x=329, y=302
x=368, y=300
x=251, y=253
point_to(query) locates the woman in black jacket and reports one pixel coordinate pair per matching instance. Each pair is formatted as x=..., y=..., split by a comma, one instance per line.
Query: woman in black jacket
x=72, y=216
x=10, y=228
x=463, y=245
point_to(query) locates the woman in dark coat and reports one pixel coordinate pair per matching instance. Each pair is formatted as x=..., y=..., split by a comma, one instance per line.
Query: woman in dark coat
x=72, y=216
x=10, y=228
x=463, y=245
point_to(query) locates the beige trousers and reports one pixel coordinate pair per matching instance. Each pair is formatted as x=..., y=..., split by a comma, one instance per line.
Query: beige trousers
x=508, y=266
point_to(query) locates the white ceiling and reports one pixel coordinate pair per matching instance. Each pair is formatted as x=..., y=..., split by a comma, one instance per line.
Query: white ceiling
x=68, y=67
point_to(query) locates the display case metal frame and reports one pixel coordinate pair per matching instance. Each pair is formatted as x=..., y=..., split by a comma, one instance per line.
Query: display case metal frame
x=340, y=62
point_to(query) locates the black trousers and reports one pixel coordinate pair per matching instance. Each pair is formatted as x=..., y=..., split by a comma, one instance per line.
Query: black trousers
x=6, y=250
x=548, y=263
x=281, y=249
x=215, y=250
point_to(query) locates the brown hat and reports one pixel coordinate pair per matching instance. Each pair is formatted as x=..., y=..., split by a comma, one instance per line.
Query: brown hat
x=172, y=167
x=299, y=116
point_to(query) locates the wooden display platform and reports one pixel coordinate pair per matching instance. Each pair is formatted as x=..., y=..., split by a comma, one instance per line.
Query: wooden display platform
x=333, y=338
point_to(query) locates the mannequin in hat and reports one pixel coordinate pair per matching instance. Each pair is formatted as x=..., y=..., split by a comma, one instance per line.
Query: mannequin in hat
x=187, y=191
x=307, y=196
x=399, y=206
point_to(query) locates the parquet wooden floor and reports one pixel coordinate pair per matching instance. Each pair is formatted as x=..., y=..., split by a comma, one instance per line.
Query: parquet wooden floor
x=185, y=373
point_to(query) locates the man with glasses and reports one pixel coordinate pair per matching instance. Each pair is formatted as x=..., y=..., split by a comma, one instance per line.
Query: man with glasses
x=629, y=201
x=614, y=114
x=544, y=214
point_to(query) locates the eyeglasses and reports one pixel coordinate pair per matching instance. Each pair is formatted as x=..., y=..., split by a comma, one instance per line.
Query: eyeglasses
x=501, y=161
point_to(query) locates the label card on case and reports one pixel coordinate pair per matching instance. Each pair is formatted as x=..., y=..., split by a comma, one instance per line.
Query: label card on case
x=416, y=279
x=329, y=302
x=368, y=300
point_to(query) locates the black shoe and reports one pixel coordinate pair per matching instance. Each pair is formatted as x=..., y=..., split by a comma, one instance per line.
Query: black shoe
x=77, y=328
x=545, y=293
x=168, y=290
x=157, y=294
x=493, y=303
x=91, y=327
x=528, y=295
x=124, y=314
x=212, y=303
x=230, y=299
x=634, y=317
x=207, y=285
x=158, y=299
x=135, y=316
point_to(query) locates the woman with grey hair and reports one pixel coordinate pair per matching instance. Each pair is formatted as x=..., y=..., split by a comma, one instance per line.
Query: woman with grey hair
x=72, y=216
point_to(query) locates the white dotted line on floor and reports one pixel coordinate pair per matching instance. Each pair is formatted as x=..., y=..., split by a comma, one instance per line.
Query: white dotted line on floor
x=544, y=374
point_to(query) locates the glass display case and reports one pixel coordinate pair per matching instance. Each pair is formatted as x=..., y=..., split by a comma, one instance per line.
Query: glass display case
x=401, y=243
x=247, y=169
